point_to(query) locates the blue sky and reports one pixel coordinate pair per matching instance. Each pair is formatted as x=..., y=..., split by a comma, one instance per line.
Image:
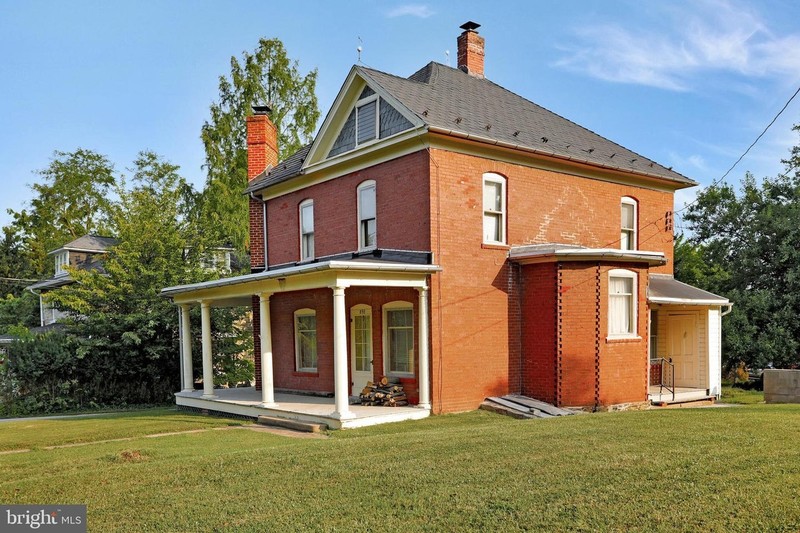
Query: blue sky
x=689, y=84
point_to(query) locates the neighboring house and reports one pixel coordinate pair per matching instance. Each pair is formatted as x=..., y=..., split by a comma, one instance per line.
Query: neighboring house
x=5, y=341
x=84, y=253
x=466, y=242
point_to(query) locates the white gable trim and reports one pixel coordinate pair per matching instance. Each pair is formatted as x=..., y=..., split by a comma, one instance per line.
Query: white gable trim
x=344, y=103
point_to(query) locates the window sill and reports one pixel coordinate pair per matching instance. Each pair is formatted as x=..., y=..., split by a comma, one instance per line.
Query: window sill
x=306, y=373
x=494, y=246
x=623, y=339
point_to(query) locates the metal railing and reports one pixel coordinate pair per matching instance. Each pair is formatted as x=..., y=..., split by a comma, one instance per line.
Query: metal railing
x=662, y=373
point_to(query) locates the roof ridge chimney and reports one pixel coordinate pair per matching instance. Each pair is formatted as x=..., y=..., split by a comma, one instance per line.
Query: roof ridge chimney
x=471, y=50
x=262, y=141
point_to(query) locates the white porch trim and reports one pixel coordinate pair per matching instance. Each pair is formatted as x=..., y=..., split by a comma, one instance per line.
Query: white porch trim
x=341, y=386
x=424, y=357
x=208, y=369
x=265, y=332
x=186, y=348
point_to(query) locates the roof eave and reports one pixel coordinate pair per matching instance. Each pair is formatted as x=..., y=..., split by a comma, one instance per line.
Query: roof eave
x=512, y=146
x=581, y=254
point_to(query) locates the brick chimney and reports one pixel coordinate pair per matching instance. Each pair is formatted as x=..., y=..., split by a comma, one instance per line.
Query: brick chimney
x=470, y=50
x=262, y=142
x=262, y=153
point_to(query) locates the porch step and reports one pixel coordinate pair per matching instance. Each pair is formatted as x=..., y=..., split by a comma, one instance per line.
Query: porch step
x=518, y=406
x=286, y=423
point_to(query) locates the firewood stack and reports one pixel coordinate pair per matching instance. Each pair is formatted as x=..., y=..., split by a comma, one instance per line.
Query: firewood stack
x=383, y=394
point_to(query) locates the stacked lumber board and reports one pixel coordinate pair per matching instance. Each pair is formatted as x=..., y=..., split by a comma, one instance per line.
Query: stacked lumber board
x=383, y=394
x=518, y=406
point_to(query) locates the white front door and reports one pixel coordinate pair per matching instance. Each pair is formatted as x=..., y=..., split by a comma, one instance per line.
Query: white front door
x=682, y=349
x=361, y=347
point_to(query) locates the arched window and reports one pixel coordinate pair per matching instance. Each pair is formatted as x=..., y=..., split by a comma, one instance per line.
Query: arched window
x=367, y=216
x=307, y=230
x=494, y=208
x=628, y=236
x=621, y=303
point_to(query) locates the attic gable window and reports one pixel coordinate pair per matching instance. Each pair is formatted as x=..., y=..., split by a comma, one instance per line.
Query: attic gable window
x=367, y=120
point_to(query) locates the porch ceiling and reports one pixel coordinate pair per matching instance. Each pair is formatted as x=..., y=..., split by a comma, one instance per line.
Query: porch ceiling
x=238, y=290
x=665, y=289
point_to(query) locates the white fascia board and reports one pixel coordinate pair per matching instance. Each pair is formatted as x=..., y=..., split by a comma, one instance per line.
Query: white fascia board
x=586, y=254
x=361, y=266
x=686, y=301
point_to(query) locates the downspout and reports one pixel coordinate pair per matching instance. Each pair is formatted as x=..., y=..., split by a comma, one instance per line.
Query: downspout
x=41, y=307
x=264, y=226
x=727, y=311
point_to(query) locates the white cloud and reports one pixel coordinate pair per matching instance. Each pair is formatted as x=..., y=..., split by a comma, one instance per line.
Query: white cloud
x=716, y=35
x=414, y=10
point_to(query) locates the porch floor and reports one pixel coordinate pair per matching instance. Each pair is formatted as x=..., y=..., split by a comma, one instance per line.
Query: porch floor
x=682, y=394
x=246, y=401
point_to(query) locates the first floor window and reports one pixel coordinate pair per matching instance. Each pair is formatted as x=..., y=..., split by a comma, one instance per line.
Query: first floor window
x=621, y=303
x=307, y=230
x=305, y=333
x=399, y=331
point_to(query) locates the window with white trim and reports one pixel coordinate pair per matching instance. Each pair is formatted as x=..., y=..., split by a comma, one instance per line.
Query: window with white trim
x=367, y=119
x=621, y=303
x=307, y=230
x=367, y=216
x=62, y=260
x=494, y=208
x=398, y=338
x=627, y=237
x=305, y=339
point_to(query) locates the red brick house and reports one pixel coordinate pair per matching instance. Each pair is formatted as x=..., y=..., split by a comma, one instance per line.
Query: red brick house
x=451, y=235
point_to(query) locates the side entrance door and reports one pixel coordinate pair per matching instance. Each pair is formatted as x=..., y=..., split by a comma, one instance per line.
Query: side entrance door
x=682, y=348
x=361, y=347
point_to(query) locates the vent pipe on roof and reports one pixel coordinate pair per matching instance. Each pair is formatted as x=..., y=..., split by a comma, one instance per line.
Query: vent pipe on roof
x=471, y=50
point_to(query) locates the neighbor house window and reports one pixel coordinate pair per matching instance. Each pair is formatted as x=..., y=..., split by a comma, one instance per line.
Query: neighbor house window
x=494, y=209
x=367, y=221
x=398, y=331
x=307, y=230
x=305, y=339
x=621, y=303
x=627, y=237
x=367, y=119
x=62, y=260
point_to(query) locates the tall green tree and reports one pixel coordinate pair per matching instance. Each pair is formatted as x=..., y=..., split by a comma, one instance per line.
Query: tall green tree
x=752, y=236
x=265, y=76
x=71, y=200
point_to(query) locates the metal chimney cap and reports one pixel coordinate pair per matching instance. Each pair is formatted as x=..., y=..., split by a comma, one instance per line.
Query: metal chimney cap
x=470, y=26
x=262, y=109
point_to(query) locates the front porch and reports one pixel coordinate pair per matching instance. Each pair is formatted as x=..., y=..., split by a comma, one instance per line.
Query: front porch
x=663, y=395
x=247, y=401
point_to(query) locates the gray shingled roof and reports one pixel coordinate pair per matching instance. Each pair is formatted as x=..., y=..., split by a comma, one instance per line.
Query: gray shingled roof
x=664, y=288
x=450, y=100
x=90, y=243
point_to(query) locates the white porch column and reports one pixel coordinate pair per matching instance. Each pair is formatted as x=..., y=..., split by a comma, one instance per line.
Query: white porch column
x=341, y=388
x=208, y=369
x=267, y=380
x=186, y=348
x=424, y=357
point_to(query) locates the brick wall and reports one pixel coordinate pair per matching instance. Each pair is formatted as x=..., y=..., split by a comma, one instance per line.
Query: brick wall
x=403, y=220
x=539, y=333
x=475, y=351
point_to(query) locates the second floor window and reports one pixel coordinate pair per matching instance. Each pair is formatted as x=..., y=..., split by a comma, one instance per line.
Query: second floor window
x=367, y=219
x=494, y=209
x=307, y=230
x=62, y=260
x=627, y=237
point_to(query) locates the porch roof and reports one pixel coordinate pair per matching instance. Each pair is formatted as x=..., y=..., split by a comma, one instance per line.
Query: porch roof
x=238, y=290
x=665, y=289
x=546, y=253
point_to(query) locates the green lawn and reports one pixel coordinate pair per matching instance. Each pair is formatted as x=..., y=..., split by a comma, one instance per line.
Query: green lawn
x=738, y=395
x=669, y=470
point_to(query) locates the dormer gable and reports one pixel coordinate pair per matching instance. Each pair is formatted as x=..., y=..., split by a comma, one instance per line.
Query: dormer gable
x=363, y=115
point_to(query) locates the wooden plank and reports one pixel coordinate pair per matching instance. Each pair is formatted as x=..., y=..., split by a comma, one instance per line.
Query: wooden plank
x=499, y=409
x=509, y=404
x=536, y=404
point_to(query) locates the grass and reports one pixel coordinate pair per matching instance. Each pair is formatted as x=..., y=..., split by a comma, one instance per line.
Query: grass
x=738, y=395
x=734, y=469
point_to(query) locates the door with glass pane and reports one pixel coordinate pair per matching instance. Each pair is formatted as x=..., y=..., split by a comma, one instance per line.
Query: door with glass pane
x=361, y=347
